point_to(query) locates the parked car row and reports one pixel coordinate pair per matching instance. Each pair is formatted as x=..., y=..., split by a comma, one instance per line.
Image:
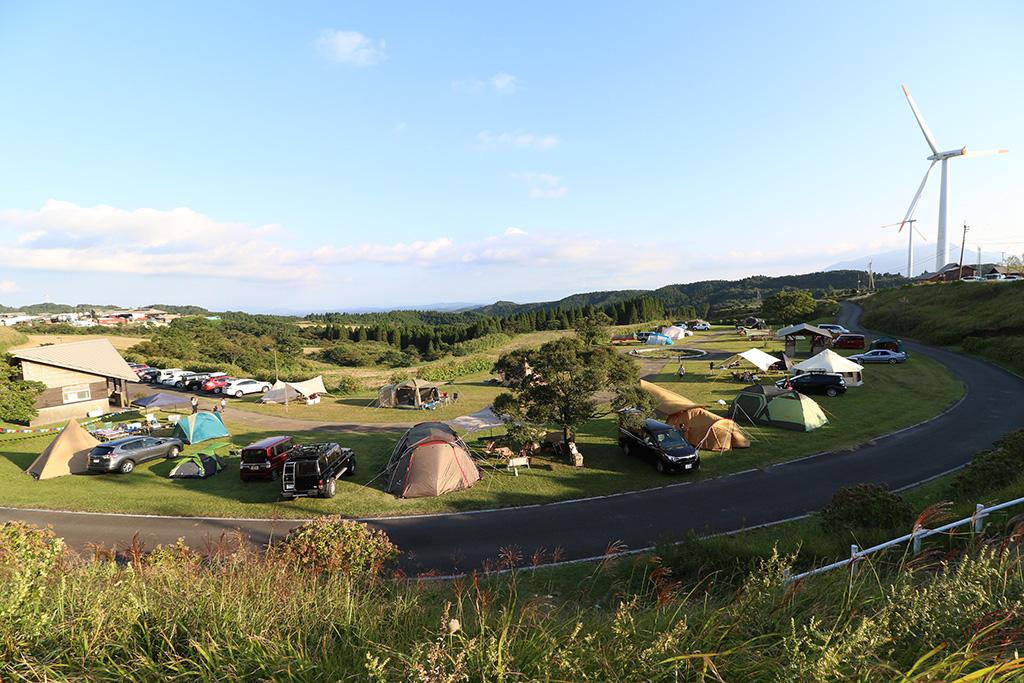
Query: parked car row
x=308, y=469
x=210, y=382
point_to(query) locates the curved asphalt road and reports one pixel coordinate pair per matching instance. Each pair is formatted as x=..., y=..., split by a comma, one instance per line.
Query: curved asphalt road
x=452, y=543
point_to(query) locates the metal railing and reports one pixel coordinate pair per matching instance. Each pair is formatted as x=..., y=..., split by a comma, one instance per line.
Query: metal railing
x=914, y=538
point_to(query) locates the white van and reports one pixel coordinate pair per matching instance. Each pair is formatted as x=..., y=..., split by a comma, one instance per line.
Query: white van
x=170, y=375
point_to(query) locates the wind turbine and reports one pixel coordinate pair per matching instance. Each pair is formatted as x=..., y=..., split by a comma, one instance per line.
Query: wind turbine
x=941, y=244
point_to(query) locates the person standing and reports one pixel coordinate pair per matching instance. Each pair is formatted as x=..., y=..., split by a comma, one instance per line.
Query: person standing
x=195, y=405
x=223, y=405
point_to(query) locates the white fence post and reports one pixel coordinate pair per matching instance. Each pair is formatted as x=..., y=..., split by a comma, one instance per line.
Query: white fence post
x=979, y=518
x=854, y=549
x=917, y=540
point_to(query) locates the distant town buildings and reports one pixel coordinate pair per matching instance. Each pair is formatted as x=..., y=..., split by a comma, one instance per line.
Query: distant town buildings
x=149, y=317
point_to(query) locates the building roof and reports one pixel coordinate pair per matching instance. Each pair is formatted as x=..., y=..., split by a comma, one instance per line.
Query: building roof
x=92, y=356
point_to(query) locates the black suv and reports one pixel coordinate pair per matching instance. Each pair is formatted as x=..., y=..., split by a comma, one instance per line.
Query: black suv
x=149, y=375
x=193, y=381
x=661, y=444
x=313, y=470
x=816, y=383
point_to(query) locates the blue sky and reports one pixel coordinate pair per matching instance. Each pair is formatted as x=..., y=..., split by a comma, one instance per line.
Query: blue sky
x=250, y=156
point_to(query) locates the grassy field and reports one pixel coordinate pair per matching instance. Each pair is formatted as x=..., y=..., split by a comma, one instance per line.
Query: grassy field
x=863, y=413
x=981, y=318
x=9, y=337
x=474, y=394
x=120, y=341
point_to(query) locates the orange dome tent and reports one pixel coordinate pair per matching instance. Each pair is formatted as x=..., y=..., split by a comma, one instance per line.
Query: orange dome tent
x=702, y=428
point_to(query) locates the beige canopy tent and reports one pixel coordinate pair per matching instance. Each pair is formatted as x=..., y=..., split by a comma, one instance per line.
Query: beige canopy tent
x=702, y=428
x=751, y=357
x=414, y=393
x=283, y=392
x=430, y=460
x=830, y=361
x=67, y=454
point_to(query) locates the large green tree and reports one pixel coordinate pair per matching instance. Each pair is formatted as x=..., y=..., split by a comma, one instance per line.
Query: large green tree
x=788, y=306
x=17, y=397
x=593, y=329
x=559, y=383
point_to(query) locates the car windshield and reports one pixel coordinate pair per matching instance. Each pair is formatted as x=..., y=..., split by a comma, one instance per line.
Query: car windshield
x=254, y=455
x=670, y=439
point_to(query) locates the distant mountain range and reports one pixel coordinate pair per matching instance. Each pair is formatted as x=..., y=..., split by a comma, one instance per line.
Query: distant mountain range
x=895, y=261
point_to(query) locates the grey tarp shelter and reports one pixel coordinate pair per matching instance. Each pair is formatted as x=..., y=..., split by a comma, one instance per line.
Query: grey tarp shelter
x=413, y=393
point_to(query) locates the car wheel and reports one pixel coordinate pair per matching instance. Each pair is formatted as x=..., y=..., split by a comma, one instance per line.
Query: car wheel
x=350, y=471
x=892, y=361
x=127, y=466
x=330, y=488
x=274, y=474
x=180, y=385
x=831, y=393
x=217, y=390
x=625, y=448
x=173, y=453
x=660, y=466
x=265, y=388
x=238, y=394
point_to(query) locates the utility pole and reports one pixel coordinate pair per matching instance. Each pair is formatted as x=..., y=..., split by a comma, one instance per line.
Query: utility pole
x=979, y=260
x=963, y=241
x=871, y=274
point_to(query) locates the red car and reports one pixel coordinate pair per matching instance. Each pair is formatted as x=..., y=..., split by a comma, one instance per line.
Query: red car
x=849, y=341
x=216, y=385
x=265, y=458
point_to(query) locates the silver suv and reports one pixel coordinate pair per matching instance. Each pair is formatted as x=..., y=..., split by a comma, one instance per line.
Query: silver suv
x=122, y=455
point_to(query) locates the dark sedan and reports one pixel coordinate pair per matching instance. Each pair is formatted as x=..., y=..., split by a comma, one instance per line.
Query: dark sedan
x=660, y=444
x=122, y=455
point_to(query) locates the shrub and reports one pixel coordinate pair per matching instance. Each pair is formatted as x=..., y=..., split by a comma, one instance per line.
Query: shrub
x=453, y=369
x=865, y=506
x=27, y=548
x=345, y=385
x=337, y=545
x=990, y=468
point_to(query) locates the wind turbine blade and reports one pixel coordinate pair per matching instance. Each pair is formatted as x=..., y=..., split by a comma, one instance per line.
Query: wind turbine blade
x=920, y=189
x=921, y=234
x=985, y=152
x=920, y=121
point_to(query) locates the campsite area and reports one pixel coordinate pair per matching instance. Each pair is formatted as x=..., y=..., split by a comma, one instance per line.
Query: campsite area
x=863, y=413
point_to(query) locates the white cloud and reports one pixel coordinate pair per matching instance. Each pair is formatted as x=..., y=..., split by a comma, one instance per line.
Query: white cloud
x=350, y=47
x=542, y=185
x=517, y=139
x=501, y=83
x=414, y=252
x=504, y=84
x=8, y=286
x=515, y=231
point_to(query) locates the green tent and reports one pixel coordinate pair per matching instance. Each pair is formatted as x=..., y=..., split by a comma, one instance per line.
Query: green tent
x=770, y=405
x=887, y=343
x=200, y=427
x=197, y=466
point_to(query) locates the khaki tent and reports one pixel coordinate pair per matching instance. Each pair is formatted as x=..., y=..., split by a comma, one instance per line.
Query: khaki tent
x=67, y=454
x=703, y=429
x=430, y=460
x=831, y=362
x=414, y=393
x=283, y=392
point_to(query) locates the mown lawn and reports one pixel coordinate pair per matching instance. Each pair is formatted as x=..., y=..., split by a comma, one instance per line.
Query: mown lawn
x=878, y=408
x=474, y=393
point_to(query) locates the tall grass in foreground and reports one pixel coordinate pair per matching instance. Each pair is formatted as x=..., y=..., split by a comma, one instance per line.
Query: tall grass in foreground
x=240, y=615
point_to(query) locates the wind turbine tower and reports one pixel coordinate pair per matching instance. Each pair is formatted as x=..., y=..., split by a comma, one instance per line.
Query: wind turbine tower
x=941, y=243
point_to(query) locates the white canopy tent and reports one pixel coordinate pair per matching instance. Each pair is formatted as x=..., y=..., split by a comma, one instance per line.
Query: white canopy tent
x=481, y=419
x=674, y=332
x=830, y=361
x=284, y=392
x=756, y=357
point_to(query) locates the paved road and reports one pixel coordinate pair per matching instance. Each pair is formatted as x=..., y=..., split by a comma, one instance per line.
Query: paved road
x=460, y=542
